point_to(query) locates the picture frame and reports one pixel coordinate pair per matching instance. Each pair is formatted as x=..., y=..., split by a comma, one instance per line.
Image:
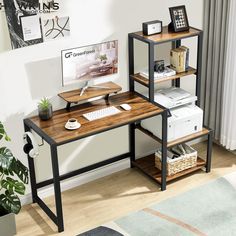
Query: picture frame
x=179, y=19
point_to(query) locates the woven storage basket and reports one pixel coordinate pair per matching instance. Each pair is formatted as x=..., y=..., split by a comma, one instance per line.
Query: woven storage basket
x=178, y=164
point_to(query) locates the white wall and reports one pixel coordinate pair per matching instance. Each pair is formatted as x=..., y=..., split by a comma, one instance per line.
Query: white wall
x=30, y=73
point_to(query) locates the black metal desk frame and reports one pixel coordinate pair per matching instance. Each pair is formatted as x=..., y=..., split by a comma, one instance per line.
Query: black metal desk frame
x=58, y=217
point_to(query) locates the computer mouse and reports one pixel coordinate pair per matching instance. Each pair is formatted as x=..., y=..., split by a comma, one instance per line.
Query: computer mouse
x=126, y=107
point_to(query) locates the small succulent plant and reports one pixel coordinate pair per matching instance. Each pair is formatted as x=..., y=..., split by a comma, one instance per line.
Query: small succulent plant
x=45, y=104
x=45, y=109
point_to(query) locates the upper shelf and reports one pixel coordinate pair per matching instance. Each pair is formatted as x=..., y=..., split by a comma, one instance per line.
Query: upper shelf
x=166, y=36
x=144, y=81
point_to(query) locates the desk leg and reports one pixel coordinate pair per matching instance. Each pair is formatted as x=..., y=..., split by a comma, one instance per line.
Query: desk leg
x=57, y=188
x=32, y=173
x=164, y=150
x=132, y=143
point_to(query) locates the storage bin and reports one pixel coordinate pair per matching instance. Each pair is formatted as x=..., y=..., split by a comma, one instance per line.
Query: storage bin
x=180, y=163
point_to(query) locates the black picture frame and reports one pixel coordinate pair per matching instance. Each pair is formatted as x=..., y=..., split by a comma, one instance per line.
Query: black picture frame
x=179, y=19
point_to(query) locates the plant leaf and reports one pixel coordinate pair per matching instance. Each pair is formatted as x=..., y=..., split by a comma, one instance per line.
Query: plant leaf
x=21, y=171
x=13, y=186
x=10, y=202
x=3, y=133
x=6, y=158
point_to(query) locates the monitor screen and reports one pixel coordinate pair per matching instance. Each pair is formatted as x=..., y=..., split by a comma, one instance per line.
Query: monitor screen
x=88, y=63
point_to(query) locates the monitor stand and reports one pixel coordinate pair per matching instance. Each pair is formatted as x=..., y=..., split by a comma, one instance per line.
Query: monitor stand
x=94, y=86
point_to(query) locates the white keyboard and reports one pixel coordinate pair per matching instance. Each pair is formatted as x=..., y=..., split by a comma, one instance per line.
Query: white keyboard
x=95, y=115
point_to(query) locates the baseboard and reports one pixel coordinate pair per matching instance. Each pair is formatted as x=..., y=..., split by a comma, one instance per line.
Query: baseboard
x=81, y=179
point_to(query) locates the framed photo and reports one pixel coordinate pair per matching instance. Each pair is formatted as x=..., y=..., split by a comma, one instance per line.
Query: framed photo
x=179, y=18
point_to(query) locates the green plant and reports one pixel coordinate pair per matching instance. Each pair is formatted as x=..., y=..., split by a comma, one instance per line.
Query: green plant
x=44, y=104
x=10, y=188
x=103, y=57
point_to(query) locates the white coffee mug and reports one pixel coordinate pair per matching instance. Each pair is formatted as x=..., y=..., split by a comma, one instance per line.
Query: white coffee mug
x=72, y=123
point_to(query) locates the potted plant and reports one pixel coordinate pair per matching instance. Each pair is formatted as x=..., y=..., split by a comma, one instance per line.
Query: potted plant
x=10, y=187
x=103, y=58
x=45, y=109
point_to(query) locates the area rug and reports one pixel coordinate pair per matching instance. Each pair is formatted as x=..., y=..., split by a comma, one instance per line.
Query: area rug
x=206, y=210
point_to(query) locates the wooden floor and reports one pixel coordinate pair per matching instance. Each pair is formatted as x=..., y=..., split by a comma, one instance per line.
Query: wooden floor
x=115, y=196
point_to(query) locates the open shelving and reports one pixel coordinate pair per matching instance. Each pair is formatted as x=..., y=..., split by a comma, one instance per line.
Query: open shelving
x=144, y=81
x=147, y=164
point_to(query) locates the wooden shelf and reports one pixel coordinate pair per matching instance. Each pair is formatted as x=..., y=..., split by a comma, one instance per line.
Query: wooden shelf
x=187, y=138
x=74, y=96
x=167, y=36
x=147, y=166
x=144, y=81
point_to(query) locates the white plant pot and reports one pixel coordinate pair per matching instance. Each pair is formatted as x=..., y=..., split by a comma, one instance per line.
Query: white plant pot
x=8, y=225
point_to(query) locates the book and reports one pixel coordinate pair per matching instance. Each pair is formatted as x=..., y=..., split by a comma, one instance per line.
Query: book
x=186, y=49
x=158, y=75
x=177, y=61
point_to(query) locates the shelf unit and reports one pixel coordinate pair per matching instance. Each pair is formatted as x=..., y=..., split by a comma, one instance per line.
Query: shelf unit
x=147, y=164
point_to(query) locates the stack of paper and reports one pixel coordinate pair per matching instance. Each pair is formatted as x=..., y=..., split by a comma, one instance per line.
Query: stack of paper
x=158, y=75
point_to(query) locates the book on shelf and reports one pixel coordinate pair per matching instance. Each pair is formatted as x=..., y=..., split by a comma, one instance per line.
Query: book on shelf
x=186, y=56
x=158, y=75
x=179, y=59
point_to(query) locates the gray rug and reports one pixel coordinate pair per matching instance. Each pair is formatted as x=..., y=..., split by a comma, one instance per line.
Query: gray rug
x=207, y=210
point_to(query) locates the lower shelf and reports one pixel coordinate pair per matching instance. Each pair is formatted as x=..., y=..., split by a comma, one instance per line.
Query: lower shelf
x=147, y=166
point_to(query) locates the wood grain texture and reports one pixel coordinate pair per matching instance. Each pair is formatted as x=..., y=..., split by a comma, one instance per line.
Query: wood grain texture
x=74, y=96
x=144, y=81
x=55, y=129
x=147, y=165
x=169, y=36
x=184, y=139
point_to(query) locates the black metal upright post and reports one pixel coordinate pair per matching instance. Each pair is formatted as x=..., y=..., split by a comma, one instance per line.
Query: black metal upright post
x=131, y=62
x=199, y=68
x=209, y=151
x=164, y=150
x=33, y=183
x=177, y=44
x=131, y=89
x=57, y=188
x=151, y=62
x=132, y=143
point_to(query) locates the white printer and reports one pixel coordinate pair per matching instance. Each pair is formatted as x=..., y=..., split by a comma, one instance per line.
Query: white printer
x=184, y=121
x=174, y=97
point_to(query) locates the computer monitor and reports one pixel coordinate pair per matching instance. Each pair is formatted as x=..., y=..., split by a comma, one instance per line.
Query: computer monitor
x=93, y=62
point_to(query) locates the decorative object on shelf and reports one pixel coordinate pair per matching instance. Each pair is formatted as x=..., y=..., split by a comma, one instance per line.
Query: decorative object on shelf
x=56, y=28
x=179, y=158
x=179, y=19
x=45, y=109
x=179, y=59
x=152, y=27
x=159, y=66
x=9, y=187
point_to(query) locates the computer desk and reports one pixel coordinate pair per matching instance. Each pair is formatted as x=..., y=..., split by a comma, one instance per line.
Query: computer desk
x=55, y=134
